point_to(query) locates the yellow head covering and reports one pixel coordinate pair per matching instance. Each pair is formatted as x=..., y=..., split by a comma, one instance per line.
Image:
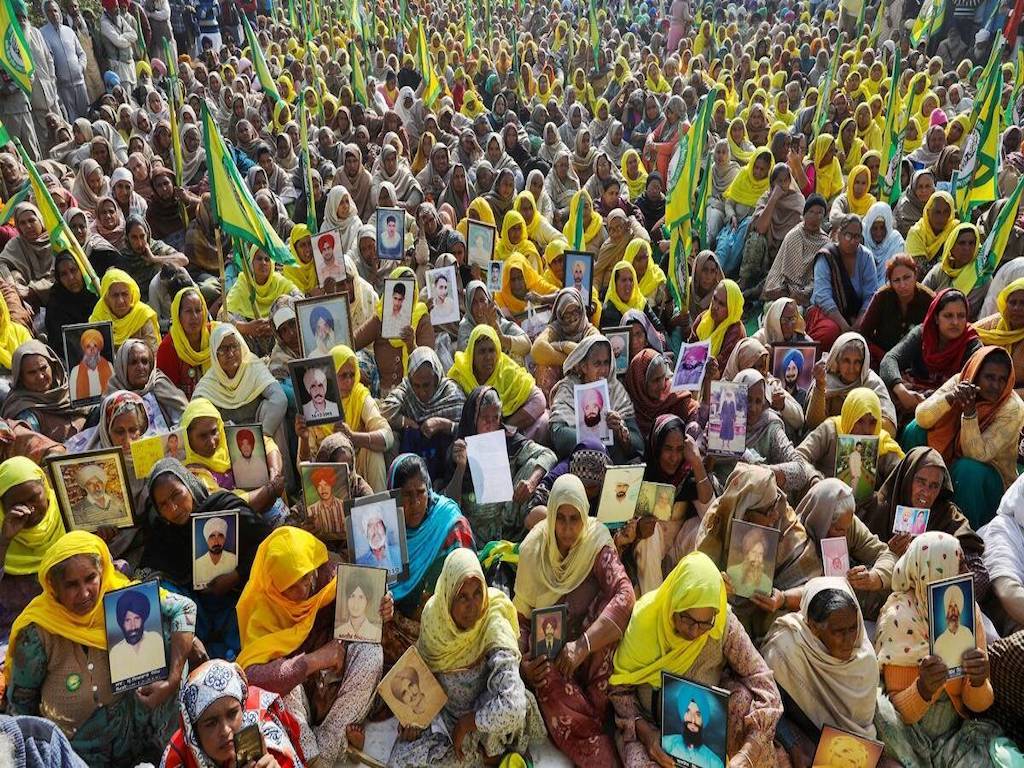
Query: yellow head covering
x=636, y=299
x=302, y=274
x=272, y=626
x=861, y=402
x=965, y=277
x=1000, y=336
x=45, y=610
x=419, y=309
x=353, y=404
x=744, y=188
x=739, y=154
x=706, y=328
x=525, y=247
x=650, y=643
x=534, y=282
x=442, y=644
x=576, y=210
x=859, y=205
x=654, y=277
x=513, y=383
x=638, y=184
x=828, y=180
x=481, y=211
x=923, y=242
x=12, y=336
x=27, y=549
x=251, y=300
x=138, y=315
x=196, y=358
x=533, y=225
x=200, y=407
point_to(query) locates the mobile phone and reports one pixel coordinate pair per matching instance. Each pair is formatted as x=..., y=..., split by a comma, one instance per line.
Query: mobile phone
x=248, y=745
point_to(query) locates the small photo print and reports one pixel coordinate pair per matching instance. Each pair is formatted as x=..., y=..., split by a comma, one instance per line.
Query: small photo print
x=443, y=289
x=690, y=367
x=727, y=423
x=951, y=621
x=399, y=297
x=89, y=360
x=857, y=463
x=793, y=365
x=324, y=492
x=376, y=534
x=835, y=556
x=547, y=631
x=656, y=499
x=619, y=339
x=92, y=489
x=328, y=258
x=248, y=745
x=316, y=390
x=620, y=493
x=390, y=234
x=147, y=451
x=248, y=454
x=912, y=520
x=480, y=244
x=357, y=608
x=694, y=722
x=579, y=273
x=839, y=748
x=323, y=323
x=135, y=639
x=752, y=558
x=592, y=403
x=494, y=276
x=411, y=691
x=214, y=547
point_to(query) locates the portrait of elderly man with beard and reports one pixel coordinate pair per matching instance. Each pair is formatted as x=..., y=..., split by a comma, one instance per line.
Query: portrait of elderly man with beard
x=689, y=745
x=380, y=554
x=139, y=651
x=956, y=639
x=89, y=378
x=218, y=559
x=99, y=507
x=590, y=411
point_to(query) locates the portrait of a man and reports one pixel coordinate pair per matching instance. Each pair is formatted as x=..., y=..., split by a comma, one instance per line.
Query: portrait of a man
x=328, y=512
x=548, y=632
x=98, y=507
x=219, y=556
x=321, y=323
x=89, y=377
x=689, y=745
x=378, y=552
x=444, y=295
x=248, y=459
x=328, y=266
x=591, y=406
x=405, y=686
x=957, y=637
x=751, y=559
x=318, y=408
x=690, y=368
x=411, y=691
x=139, y=651
x=390, y=236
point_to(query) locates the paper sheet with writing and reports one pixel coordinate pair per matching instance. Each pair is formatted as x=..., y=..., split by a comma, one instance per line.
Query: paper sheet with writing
x=488, y=464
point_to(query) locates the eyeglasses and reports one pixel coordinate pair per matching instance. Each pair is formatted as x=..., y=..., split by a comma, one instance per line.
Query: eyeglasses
x=692, y=623
x=853, y=235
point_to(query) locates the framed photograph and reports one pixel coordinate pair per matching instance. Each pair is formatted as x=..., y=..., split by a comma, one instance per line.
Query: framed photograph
x=147, y=451
x=793, y=365
x=92, y=489
x=324, y=493
x=835, y=556
x=836, y=747
x=951, y=620
x=857, y=463
x=411, y=691
x=752, y=558
x=727, y=422
x=592, y=405
x=376, y=534
x=214, y=547
x=656, y=499
x=494, y=271
x=912, y=520
x=690, y=367
x=328, y=257
x=390, y=234
x=399, y=297
x=547, y=630
x=694, y=722
x=620, y=493
x=316, y=390
x=480, y=240
x=619, y=339
x=248, y=745
x=89, y=360
x=443, y=289
x=135, y=637
x=357, y=608
x=323, y=322
x=579, y=273
x=248, y=454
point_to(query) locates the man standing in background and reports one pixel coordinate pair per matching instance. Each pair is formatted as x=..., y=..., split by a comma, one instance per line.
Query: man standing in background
x=69, y=62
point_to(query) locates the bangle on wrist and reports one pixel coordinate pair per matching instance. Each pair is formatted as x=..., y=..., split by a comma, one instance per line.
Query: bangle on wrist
x=587, y=640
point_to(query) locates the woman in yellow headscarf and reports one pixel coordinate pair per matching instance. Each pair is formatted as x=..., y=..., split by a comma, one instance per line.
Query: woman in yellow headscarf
x=121, y=305
x=740, y=148
x=58, y=664
x=849, y=145
x=857, y=198
x=685, y=621
x=827, y=171
x=252, y=295
x=514, y=240
x=287, y=610
x=538, y=229
x=623, y=294
x=958, y=267
x=1005, y=328
x=868, y=130
x=478, y=210
x=634, y=173
x=926, y=238
x=957, y=130
x=518, y=280
x=184, y=354
x=748, y=185
x=469, y=639
x=656, y=82
x=303, y=272
x=721, y=323
x=594, y=233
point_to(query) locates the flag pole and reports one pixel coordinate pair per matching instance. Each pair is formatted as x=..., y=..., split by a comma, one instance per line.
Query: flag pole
x=223, y=271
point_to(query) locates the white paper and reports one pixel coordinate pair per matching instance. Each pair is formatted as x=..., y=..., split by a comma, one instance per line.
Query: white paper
x=488, y=463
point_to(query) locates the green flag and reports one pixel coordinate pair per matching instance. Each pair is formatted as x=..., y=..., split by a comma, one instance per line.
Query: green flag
x=975, y=182
x=892, y=140
x=468, y=41
x=15, y=57
x=259, y=62
x=825, y=92
x=307, y=168
x=431, y=82
x=595, y=34
x=358, y=78
x=991, y=252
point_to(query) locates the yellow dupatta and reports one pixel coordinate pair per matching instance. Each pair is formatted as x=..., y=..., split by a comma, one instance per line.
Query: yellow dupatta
x=739, y=154
x=353, y=404
x=220, y=462
x=855, y=151
x=636, y=299
x=1000, y=336
x=591, y=228
x=27, y=550
x=828, y=181
x=706, y=328
x=419, y=309
x=513, y=382
x=744, y=188
x=534, y=282
x=505, y=248
x=861, y=402
x=301, y=273
x=636, y=186
x=966, y=277
x=859, y=205
x=272, y=626
x=250, y=300
x=923, y=242
x=654, y=277
x=138, y=315
x=481, y=211
x=196, y=358
x=12, y=336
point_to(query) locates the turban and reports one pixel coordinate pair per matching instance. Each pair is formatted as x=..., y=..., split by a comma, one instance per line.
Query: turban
x=215, y=525
x=134, y=601
x=91, y=472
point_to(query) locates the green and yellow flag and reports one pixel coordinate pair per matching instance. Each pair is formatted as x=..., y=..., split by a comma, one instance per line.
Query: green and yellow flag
x=991, y=251
x=307, y=168
x=358, y=78
x=15, y=57
x=431, y=82
x=259, y=62
x=595, y=33
x=234, y=208
x=929, y=21
x=975, y=182
x=825, y=92
x=467, y=42
x=892, y=141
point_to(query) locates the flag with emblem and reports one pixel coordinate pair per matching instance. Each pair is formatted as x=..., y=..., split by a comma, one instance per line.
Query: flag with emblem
x=991, y=252
x=15, y=57
x=892, y=142
x=929, y=21
x=975, y=182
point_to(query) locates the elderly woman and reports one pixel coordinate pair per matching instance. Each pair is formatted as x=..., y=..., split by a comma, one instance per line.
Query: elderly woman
x=922, y=716
x=957, y=268
x=424, y=410
x=184, y=353
x=570, y=559
x=286, y=620
x=591, y=361
x=218, y=692
x=61, y=636
x=721, y=323
x=824, y=666
x=647, y=381
x=1005, y=328
x=792, y=272
x=568, y=327
x=926, y=240
x=29, y=256
x=778, y=210
x=40, y=395
x=687, y=628
x=121, y=305
x=469, y=641
x=529, y=462
x=134, y=371
x=481, y=310
x=910, y=207
x=847, y=368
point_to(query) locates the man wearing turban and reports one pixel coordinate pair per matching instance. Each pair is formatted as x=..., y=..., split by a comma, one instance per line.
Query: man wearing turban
x=951, y=644
x=328, y=512
x=379, y=554
x=99, y=507
x=140, y=651
x=218, y=559
x=248, y=464
x=89, y=378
